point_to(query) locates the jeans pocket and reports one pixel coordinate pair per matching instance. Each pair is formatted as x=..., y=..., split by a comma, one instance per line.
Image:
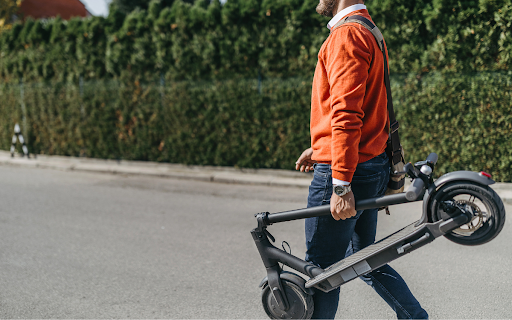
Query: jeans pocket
x=372, y=178
x=322, y=169
x=369, y=186
x=320, y=189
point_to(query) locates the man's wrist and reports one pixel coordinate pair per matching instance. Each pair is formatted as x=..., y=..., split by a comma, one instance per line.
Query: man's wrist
x=338, y=182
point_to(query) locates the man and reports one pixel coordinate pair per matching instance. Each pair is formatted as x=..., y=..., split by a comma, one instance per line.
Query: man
x=349, y=130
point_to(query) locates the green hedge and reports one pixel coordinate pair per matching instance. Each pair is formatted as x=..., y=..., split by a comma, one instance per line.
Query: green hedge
x=277, y=38
x=237, y=39
x=208, y=114
x=465, y=118
x=214, y=123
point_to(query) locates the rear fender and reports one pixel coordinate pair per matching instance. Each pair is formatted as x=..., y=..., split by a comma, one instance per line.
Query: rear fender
x=463, y=176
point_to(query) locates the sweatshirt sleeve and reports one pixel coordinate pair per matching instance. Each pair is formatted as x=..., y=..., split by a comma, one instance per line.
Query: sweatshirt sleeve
x=347, y=59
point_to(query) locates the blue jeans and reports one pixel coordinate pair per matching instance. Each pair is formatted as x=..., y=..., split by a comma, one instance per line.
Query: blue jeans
x=328, y=241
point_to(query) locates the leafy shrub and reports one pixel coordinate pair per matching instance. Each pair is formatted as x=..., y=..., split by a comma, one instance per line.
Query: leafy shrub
x=276, y=38
x=465, y=118
x=449, y=59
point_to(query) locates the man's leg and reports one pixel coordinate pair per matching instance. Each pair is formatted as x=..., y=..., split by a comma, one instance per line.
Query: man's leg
x=326, y=239
x=385, y=280
x=393, y=289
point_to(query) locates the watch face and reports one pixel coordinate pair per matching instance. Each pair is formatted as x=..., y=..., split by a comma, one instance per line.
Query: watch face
x=341, y=190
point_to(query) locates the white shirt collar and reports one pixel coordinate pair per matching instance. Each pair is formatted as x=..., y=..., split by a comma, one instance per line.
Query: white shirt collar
x=343, y=13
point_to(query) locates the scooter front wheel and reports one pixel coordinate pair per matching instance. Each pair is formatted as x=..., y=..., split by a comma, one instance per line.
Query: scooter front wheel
x=485, y=206
x=301, y=303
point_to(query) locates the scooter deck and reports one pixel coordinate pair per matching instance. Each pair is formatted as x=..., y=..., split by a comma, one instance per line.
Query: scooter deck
x=372, y=257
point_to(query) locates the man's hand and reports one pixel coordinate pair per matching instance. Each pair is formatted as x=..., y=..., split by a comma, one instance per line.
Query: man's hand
x=343, y=207
x=304, y=163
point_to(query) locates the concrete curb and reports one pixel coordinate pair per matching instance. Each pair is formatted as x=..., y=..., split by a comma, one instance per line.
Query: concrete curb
x=270, y=177
x=284, y=178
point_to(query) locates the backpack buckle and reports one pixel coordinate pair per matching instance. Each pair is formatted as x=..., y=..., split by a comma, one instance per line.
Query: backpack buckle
x=394, y=127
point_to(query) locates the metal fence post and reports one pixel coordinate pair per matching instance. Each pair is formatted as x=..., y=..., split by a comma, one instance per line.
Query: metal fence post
x=259, y=81
x=23, y=109
x=81, y=86
x=162, y=86
x=82, y=113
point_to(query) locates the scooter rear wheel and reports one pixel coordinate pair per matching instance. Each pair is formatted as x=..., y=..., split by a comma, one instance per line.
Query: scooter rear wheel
x=301, y=303
x=485, y=205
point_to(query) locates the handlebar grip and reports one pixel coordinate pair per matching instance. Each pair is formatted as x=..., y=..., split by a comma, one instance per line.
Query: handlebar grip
x=432, y=157
x=416, y=188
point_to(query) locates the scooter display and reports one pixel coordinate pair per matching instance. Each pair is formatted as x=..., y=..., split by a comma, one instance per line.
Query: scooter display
x=459, y=205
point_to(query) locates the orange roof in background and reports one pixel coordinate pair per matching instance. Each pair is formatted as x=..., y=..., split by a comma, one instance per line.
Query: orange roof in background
x=66, y=9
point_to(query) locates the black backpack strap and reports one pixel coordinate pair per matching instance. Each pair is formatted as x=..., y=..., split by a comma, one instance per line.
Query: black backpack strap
x=396, y=153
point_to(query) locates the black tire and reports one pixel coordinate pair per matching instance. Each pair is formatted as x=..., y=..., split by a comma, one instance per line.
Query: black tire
x=487, y=207
x=301, y=303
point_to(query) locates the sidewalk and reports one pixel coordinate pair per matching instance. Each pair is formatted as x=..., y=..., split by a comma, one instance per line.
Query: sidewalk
x=270, y=177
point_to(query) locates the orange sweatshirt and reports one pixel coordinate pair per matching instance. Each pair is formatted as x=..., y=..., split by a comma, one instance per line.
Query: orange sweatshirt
x=349, y=117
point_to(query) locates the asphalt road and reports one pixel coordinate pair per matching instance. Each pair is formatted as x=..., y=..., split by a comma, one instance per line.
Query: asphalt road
x=82, y=245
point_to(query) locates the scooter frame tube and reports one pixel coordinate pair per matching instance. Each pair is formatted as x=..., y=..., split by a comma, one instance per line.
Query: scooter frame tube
x=324, y=210
x=414, y=193
x=272, y=255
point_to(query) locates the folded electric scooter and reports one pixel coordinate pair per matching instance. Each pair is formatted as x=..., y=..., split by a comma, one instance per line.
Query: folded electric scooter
x=459, y=205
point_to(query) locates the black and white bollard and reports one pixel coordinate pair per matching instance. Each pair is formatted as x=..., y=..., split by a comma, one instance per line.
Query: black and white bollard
x=18, y=136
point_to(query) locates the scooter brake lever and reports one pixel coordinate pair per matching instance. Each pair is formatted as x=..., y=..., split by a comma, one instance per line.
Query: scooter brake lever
x=407, y=169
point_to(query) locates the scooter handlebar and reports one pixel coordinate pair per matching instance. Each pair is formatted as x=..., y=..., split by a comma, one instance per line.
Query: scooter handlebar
x=415, y=190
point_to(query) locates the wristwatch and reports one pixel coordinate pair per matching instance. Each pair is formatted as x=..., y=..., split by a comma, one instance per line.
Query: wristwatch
x=342, y=190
